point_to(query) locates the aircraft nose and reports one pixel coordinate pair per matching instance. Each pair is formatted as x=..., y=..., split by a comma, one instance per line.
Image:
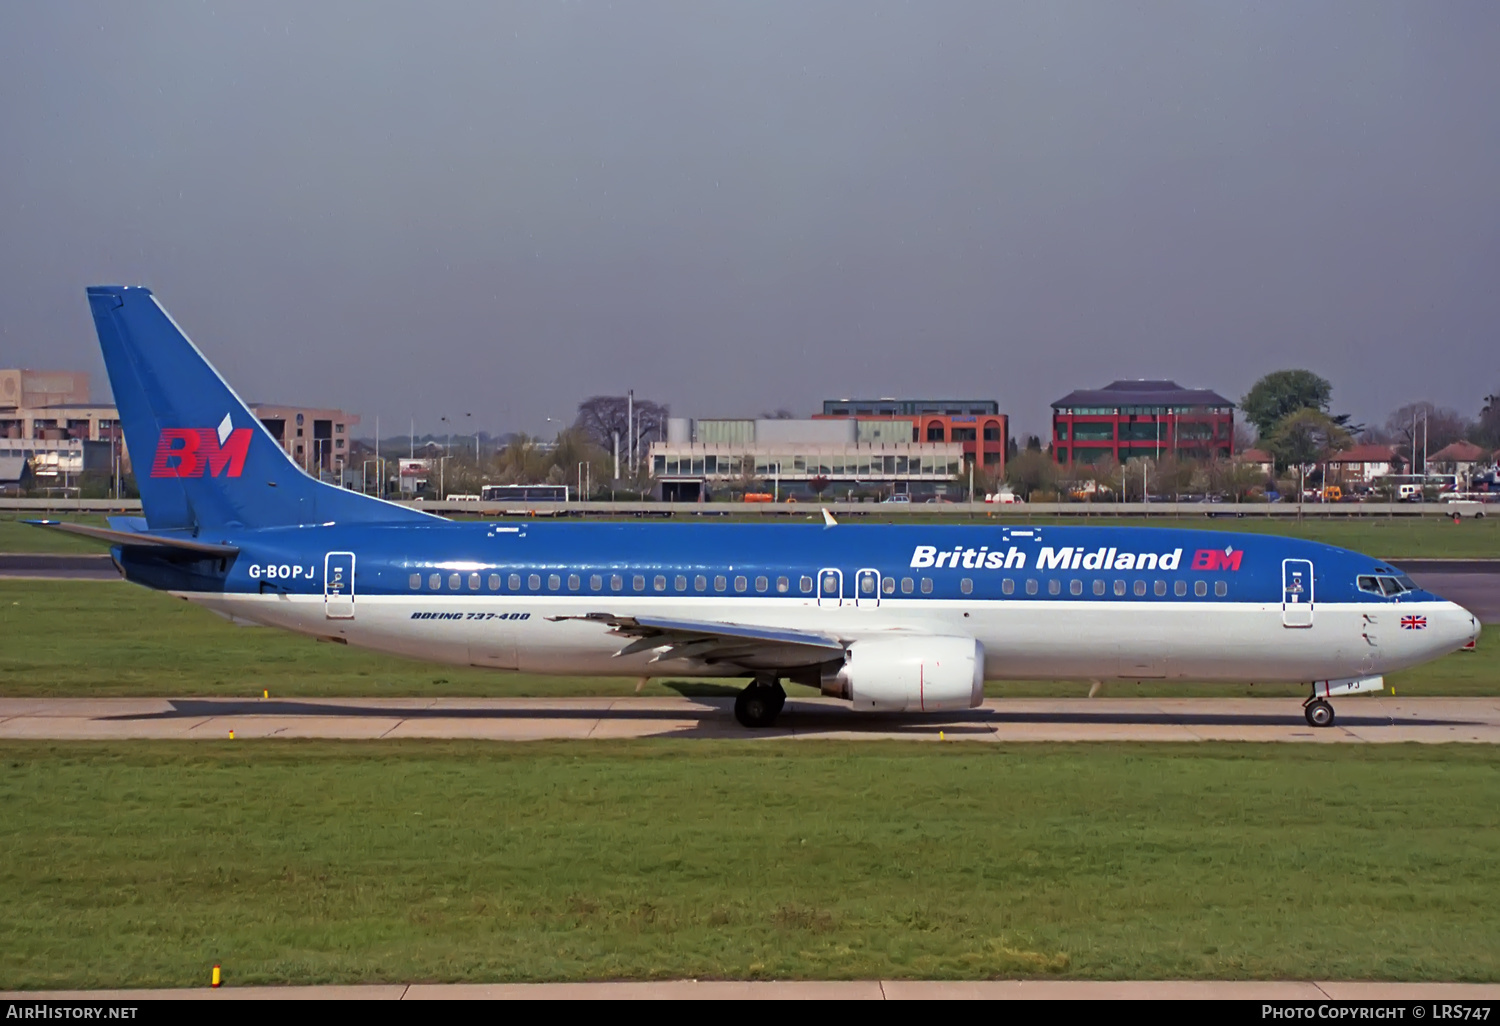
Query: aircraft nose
x=1464, y=624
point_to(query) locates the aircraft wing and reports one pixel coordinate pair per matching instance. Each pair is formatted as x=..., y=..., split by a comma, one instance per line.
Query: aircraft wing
x=712, y=640
x=138, y=538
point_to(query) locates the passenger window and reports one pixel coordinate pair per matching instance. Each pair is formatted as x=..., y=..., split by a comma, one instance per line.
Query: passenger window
x=888, y=585
x=720, y=583
x=515, y=582
x=454, y=582
x=700, y=583
x=927, y=586
x=1221, y=588
x=1179, y=589
x=966, y=586
x=1007, y=587
x=616, y=582
x=1075, y=587
x=1140, y=587
x=1031, y=585
x=907, y=585
x=573, y=582
x=553, y=582
x=596, y=582
x=866, y=585
x=1200, y=588
x=761, y=584
x=473, y=582
x=435, y=582
x=638, y=582
x=805, y=584
x=1098, y=587
x=783, y=585
x=494, y=582
x=1119, y=587
x=830, y=585
x=416, y=582
x=680, y=584
x=660, y=583
x=1160, y=589
x=1054, y=587
x=740, y=584
x=534, y=582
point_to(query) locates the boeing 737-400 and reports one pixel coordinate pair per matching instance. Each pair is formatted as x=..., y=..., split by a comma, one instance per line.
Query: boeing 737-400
x=903, y=618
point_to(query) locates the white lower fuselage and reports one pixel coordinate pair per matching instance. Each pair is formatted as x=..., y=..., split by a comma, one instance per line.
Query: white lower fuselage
x=1050, y=639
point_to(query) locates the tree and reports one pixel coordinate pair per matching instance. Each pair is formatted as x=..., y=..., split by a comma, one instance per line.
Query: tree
x=818, y=485
x=1434, y=427
x=1171, y=476
x=1234, y=479
x=1487, y=430
x=1031, y=471
x=1103, y=472
x=1282, y=393
x=1306, y=438
x=780, y=414
x=603, y=418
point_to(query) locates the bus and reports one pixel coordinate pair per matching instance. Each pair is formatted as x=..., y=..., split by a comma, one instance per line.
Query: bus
x=526, y=493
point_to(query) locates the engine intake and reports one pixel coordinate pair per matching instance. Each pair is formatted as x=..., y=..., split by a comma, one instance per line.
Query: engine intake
x=910, y=674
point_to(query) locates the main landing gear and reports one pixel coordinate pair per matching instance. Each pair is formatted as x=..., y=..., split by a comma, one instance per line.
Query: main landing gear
x=760, y=702
x=1318, y=712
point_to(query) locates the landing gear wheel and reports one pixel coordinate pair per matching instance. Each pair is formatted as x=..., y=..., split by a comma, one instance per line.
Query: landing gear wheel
x=758, y=705
x=1319, y=713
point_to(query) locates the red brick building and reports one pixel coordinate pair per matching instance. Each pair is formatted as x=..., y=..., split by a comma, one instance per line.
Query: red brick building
x=1129, y=419
x=976, y=424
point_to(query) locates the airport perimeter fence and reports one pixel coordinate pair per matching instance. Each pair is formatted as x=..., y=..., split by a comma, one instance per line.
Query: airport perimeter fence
x=785, y=511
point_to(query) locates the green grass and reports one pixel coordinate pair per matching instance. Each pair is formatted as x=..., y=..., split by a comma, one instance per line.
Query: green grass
x=93, y=638
x=144, y=864
x=18, y=537
x=1411, y=537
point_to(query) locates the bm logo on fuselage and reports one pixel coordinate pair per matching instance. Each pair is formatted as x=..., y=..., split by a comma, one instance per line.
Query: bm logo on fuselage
x=200, y=452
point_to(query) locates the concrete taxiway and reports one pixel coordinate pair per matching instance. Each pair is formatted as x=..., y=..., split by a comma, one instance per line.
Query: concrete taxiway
x=1376, y=719
x=835, y=990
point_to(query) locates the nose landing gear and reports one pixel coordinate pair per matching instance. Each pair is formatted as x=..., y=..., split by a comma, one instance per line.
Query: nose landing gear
x=1318, y=712
x=759, y=703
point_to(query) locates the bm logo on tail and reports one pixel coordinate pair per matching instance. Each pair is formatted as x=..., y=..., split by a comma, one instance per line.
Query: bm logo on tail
x=199, y=452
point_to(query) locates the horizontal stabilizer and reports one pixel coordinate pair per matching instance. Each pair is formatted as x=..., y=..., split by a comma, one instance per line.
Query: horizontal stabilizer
x=138, y=539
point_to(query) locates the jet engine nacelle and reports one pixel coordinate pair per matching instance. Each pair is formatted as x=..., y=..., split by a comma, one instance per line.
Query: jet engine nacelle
x=911, y=674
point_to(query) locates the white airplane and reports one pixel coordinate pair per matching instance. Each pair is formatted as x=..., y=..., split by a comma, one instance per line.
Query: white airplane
x=911, y=619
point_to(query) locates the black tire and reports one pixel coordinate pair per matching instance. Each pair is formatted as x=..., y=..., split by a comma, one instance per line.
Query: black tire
x=1319, y=713
x=757, y=706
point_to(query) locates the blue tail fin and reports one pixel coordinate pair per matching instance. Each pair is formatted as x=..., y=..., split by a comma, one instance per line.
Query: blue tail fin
x=201, y=458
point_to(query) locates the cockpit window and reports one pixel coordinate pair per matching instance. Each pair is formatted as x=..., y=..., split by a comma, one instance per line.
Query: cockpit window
x=1386, y=586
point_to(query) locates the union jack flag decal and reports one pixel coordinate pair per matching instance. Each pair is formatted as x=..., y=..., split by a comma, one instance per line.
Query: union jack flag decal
x=1413, y=623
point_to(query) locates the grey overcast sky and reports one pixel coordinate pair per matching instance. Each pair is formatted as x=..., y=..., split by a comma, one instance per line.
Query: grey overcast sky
x=500, y=208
